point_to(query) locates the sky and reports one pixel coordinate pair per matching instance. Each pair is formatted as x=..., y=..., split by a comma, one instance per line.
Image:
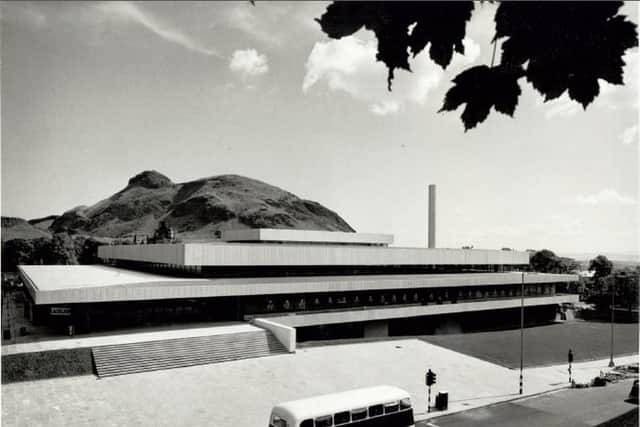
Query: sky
x=94, y=93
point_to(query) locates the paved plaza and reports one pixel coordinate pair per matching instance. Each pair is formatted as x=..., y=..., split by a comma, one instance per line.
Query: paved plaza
x=242, y=393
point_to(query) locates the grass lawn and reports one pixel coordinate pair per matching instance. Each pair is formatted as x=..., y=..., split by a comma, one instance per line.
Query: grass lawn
x=544, y=345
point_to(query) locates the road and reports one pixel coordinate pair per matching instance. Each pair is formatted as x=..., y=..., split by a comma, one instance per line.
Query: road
x=570, y=407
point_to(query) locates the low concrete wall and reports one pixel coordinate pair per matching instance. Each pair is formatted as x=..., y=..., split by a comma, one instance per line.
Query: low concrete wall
x=285, y=334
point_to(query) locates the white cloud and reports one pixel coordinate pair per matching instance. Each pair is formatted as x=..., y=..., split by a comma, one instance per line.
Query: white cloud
x=248, y=62
x=349, y=65
x=131, y=12
x=605, y=197
x=385, y=108
x=630, y=135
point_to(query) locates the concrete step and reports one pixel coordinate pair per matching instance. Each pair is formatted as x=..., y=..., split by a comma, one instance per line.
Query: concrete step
x=207, y=338
x=164, y=347
x=131, y=369
x=177, y=357
x=154, y=355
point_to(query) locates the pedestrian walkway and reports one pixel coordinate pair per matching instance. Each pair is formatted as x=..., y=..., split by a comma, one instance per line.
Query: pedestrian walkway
x=563, y=408
x=125, y=338
x=582, y=372
x=242, y=393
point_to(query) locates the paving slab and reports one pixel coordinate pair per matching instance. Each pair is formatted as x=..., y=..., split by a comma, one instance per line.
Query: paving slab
x=242, y=393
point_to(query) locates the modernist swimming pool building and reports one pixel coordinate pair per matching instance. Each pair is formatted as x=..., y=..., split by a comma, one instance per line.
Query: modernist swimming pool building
x=324, y=284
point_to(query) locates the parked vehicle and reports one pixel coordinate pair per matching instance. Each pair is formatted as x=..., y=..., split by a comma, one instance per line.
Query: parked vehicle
x=380, y=406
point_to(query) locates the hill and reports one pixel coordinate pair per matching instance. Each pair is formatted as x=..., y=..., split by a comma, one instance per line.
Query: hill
x=18, y=228
x=196, y=209
x=43, y=223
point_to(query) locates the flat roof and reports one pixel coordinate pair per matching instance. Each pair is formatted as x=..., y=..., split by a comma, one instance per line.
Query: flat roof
x=67, y=284
x=328, y=404
x=305, y=236
x=304, y=254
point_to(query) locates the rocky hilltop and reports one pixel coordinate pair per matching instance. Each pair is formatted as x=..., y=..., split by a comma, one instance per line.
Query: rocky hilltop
x=196, y=209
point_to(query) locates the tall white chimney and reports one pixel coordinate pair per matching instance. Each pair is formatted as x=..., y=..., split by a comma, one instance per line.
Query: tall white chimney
x=432, y=216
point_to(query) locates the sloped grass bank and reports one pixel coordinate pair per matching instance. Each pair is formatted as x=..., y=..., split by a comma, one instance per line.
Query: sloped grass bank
x=46, y=364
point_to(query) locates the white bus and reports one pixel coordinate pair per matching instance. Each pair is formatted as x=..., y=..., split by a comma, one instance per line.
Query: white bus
x=380, y=406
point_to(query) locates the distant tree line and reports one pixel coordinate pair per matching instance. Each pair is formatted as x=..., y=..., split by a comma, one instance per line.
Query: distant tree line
x=607, y=278
x=545, y=261
x=69, y=248
x=61, y=249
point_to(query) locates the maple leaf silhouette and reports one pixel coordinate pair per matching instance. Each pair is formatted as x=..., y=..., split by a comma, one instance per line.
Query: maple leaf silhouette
x=481, y=88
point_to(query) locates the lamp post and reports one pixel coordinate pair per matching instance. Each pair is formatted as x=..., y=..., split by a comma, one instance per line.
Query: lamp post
x=521, y=330
x=613, y=293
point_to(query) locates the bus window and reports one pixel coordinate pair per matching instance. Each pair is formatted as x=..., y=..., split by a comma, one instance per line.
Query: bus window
x=390, y=407
x=342, y=417
x=405, y=404
x=307, y=423
x=324, y=421
x=359, y=414
x=375, y=410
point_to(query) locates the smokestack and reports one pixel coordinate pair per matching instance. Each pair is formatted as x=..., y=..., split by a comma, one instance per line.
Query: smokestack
x=432, y=216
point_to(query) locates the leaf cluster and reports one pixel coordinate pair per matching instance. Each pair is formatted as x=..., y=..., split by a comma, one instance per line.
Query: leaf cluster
x=559, y=47
x=403, y=27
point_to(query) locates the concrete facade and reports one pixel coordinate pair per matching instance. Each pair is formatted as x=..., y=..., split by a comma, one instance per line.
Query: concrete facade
x=378, y=314
x=265, y=254
x=85, y=284
x=306, y=236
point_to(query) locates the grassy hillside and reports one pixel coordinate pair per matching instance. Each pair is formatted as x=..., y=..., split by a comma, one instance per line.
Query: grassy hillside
x=196, y=209
x=18, y=228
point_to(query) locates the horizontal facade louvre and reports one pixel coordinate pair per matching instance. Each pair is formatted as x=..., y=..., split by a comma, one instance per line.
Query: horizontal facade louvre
x=262, y=254
x=201, y=288
x=300, y=320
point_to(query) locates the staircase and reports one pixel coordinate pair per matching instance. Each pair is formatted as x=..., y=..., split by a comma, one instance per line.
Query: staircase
x=122, y=359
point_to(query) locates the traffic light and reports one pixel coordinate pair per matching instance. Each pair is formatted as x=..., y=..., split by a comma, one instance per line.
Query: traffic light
x=431, y=378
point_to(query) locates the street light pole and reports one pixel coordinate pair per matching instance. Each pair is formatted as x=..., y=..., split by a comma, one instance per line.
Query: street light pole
x=521, y=330
x=613, y=293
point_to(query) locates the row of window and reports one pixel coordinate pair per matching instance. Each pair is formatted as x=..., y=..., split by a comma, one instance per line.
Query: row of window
x=345, y=417
x=421, y=296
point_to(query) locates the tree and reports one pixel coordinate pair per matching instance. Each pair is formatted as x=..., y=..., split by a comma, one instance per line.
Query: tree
x=544, y=261
x=61, y=250
x=163, y=234
x=558, y=47
x=568, y=265
x=601, y=266
x=627, y=287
